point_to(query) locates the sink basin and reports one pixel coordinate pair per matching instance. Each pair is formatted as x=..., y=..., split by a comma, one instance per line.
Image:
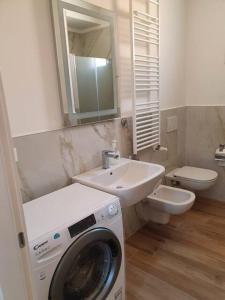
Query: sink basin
x=130, y=180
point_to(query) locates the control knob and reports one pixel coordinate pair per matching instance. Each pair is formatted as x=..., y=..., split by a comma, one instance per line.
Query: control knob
x=113, y=210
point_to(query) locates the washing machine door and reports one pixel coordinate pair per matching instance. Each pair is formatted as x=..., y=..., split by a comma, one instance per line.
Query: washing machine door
x=89, y=268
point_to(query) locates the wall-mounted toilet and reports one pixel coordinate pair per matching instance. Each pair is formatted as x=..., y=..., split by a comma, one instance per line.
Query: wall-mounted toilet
x=195, y=179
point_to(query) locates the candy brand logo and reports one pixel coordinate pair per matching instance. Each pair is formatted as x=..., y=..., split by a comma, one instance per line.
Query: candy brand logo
x=36, y=247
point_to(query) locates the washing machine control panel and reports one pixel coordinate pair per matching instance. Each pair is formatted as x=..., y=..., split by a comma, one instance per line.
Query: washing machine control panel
x=52, y=245
x=113, y=209
x=108, y=213
x=82, y=225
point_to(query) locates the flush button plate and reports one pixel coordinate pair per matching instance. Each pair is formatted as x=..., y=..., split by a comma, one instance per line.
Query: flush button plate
x=172, y=124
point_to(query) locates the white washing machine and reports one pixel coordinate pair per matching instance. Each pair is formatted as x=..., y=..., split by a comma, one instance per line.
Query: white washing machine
x=76, y=245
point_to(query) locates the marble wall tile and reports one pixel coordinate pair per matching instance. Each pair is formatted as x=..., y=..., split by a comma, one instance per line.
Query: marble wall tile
x=174, y=141
x=47, y=161
x=205, y=130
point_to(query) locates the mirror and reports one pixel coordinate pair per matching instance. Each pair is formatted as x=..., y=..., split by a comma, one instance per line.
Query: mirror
x=85, y=44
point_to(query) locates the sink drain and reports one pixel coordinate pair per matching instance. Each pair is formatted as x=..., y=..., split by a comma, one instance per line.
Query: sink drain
x=119, y=187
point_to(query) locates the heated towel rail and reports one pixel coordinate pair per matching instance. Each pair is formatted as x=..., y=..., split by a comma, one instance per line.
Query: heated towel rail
x=145, y=64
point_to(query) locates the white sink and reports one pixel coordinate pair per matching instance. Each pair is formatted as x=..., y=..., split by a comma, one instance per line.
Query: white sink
x=130, y=180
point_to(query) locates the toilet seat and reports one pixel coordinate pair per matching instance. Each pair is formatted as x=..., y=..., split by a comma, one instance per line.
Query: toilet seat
x=192, y=178
x=195, y=174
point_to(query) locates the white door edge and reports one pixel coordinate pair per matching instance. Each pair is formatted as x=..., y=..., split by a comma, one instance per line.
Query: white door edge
x=13, y=194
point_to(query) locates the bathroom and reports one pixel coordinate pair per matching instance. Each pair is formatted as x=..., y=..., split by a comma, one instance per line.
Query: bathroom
x=169, y=248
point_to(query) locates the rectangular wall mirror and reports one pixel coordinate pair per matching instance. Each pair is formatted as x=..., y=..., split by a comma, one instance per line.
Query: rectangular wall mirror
x=86, y=53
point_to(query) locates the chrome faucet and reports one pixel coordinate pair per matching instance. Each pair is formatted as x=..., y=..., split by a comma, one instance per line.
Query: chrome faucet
x=106, y=154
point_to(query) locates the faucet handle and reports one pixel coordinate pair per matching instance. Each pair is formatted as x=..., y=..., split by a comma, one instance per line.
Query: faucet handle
x=108, y=152
x=105, y=151
x=221, y=147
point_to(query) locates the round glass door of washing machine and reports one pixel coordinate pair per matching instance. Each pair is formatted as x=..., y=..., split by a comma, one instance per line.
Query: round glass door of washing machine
x=89, y=267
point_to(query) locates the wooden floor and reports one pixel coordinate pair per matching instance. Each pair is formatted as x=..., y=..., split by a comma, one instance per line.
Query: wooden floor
x=184, y=260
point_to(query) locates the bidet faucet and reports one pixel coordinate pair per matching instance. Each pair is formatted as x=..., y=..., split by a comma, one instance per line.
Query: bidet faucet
x=106, y=154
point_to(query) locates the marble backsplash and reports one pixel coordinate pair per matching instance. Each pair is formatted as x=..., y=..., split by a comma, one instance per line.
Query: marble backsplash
x=47, y=161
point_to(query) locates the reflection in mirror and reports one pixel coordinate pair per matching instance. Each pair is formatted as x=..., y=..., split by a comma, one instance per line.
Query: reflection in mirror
x=90, y=61
x=87, y=44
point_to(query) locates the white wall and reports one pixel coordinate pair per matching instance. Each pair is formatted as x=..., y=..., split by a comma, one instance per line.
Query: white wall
x=205, y=61
x=28, y=64
x=172, y=52
x=28, y=67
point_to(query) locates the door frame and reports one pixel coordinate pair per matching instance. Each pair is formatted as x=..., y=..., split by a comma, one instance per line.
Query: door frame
x=14, y=195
